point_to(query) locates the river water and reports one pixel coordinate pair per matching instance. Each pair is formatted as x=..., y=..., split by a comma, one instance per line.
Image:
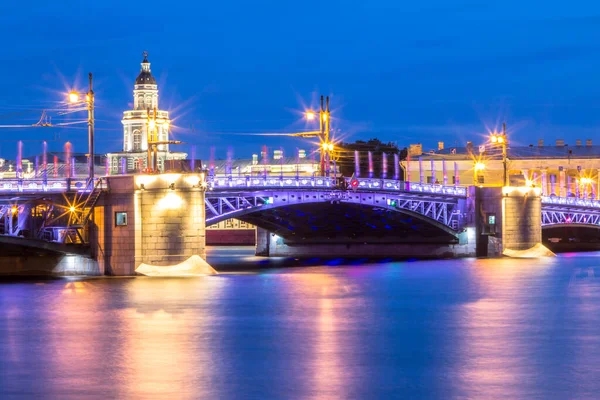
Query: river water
x=481, y=329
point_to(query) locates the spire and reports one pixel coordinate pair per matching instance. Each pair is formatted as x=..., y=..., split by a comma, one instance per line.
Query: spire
x=145, y=77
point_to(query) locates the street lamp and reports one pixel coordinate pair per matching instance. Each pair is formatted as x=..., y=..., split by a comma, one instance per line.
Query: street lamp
x=479, y=166
x=323, y=133
x=153, y=141
x=74, y=98
x=502, y=140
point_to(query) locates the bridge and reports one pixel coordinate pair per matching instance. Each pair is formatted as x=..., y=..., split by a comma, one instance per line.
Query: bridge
x=293, y=214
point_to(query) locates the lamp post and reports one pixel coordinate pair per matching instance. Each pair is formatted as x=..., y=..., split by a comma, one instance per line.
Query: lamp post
x=74, y=98
x=153, y=141
x=477, y=167
x=502, y=140
x=326, y=147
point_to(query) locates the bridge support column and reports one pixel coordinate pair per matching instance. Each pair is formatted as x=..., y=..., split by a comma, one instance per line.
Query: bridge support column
x=521, y=218
x=263, y=239
x=156, y=220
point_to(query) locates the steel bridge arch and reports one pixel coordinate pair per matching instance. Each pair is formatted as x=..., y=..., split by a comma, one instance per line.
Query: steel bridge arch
x=440, y=211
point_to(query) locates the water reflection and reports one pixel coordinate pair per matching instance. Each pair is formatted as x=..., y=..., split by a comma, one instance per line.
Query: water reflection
x=444, y=329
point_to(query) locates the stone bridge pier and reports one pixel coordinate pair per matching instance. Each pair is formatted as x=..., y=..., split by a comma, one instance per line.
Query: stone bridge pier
x=495, y=220
x=148, y=219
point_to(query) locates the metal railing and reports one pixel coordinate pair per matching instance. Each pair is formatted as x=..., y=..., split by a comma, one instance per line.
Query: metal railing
x=221, y=182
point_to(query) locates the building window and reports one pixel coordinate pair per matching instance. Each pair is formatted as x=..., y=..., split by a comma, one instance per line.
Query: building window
x=120, y=218
x=129, y=163
x=454, y=179
x=429, y=179
x=115, y=165
x=137, y=140
x=480, y=179
x=140, y=102
x=126, y=139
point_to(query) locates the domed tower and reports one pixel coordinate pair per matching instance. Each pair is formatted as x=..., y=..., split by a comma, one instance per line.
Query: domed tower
x=135, y=122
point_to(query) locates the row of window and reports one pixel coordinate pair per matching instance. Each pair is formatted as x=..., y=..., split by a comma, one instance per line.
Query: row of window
x=148, y=102
x=137, y=139
x=131, y=164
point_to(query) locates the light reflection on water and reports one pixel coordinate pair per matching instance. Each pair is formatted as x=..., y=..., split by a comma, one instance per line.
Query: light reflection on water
x=439, y=329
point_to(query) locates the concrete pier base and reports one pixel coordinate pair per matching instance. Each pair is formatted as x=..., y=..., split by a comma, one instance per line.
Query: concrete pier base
x=149, y=219
x=49, y=265
x=270, y=245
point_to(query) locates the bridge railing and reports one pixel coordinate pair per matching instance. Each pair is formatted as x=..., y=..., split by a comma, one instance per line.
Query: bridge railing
x=49, y=185
x=318, y=182
x=571, y=201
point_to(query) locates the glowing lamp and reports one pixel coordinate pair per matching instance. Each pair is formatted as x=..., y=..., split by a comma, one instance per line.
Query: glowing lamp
x=73, y=97
x=500, y=139
x=330, y=146
x=310, y=115
x=494, y=138
x=152, y=124
x=72, y=209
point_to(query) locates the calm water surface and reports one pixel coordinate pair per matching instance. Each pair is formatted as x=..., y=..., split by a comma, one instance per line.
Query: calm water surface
x=512, y=329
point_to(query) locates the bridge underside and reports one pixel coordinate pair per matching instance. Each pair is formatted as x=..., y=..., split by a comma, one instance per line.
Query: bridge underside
x=320, y=223
x=571, y=237
x=18, y=246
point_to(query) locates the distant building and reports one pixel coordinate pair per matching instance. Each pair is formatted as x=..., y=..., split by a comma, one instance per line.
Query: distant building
x=135, y=122
x=560, y=170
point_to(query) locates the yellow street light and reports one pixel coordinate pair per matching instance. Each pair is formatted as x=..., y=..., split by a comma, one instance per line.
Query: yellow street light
x=500, y=139
x=166, y=125
x=151, y=124
x=494, y=138
x=310, y=115
x=74, y=97
x=479, y=166
x=330, y=146
x=586, y=181
x=72, y=209
x=324, y=117
x=324, y=145
x=14, y=209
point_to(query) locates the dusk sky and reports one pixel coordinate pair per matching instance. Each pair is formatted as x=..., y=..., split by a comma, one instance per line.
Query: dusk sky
x=408, y=72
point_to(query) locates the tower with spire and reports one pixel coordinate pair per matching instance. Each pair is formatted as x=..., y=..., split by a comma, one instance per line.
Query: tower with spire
x=136, y=127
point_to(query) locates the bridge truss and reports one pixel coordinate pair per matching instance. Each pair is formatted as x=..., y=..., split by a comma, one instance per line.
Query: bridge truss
x=570, y=210
x=444, y=209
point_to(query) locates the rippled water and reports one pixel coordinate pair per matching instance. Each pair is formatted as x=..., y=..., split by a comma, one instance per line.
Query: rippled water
x=513, y=329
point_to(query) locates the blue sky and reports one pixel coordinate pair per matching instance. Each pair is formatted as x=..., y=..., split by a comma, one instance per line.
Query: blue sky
x=401, y=71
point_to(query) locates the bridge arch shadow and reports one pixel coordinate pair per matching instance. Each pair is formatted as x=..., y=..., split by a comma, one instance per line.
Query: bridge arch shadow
x=343, y=222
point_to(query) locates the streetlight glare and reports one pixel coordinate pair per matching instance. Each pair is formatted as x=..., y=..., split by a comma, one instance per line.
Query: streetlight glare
x=72, y=209
x=166, y=125
x=324, y=117
x=494, y=138
x=479, y=166
x=310, y=115
x=330, y=146
x=500, y=139
x=151, y=124
x=73, y=97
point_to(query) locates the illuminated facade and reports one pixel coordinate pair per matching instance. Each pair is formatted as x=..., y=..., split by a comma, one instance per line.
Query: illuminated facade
x=561, y=170
x=137, y=124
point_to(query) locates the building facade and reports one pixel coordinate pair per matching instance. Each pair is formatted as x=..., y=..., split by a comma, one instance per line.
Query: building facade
x=560, y=170
x=145, y=123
